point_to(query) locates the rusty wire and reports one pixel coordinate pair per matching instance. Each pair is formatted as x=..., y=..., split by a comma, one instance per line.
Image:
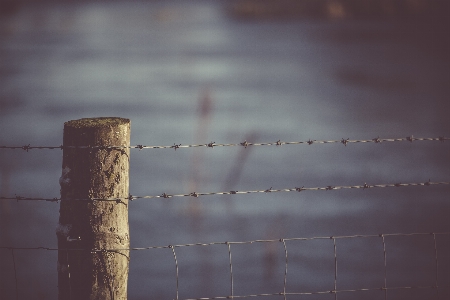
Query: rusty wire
x=245, y=144
x=270, y=190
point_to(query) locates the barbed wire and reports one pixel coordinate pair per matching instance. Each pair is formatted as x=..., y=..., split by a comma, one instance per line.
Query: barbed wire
x=245, y=144
x=196, y=195
x=284, y=293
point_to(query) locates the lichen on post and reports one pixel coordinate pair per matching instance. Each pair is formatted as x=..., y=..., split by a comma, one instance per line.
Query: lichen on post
x=91, y=231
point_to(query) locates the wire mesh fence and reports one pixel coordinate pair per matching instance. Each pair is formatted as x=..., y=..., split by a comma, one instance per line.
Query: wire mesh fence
x=377, y=257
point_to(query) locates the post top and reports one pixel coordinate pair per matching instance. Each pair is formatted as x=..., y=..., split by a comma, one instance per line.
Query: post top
x=97, y=122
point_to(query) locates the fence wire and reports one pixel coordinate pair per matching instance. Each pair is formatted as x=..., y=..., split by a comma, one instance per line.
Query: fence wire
x=284, y=292
x=245, y=144
x=270, y=190
x=334, y=290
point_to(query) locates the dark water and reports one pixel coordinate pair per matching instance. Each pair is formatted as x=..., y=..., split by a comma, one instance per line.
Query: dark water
x=184, y=72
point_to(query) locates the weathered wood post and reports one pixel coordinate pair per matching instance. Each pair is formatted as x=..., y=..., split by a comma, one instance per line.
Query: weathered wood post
x=91, y=173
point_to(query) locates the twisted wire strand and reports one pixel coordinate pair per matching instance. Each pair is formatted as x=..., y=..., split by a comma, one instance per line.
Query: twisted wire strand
x=270, y=190
x=242, y=144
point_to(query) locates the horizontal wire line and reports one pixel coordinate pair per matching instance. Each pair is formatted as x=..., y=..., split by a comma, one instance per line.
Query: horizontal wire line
x=317, y=293
x=236, y=243
x=194, y=194
x=244, y=144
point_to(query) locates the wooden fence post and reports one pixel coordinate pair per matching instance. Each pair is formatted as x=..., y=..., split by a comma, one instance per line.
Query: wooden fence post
x=91, y=225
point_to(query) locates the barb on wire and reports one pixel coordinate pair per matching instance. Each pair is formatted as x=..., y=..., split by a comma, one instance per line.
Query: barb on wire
x=270, y=190
x=244, y=144
x=29, y=147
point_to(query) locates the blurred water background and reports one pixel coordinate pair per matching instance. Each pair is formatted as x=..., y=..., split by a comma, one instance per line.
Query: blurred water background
x=190, y=72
